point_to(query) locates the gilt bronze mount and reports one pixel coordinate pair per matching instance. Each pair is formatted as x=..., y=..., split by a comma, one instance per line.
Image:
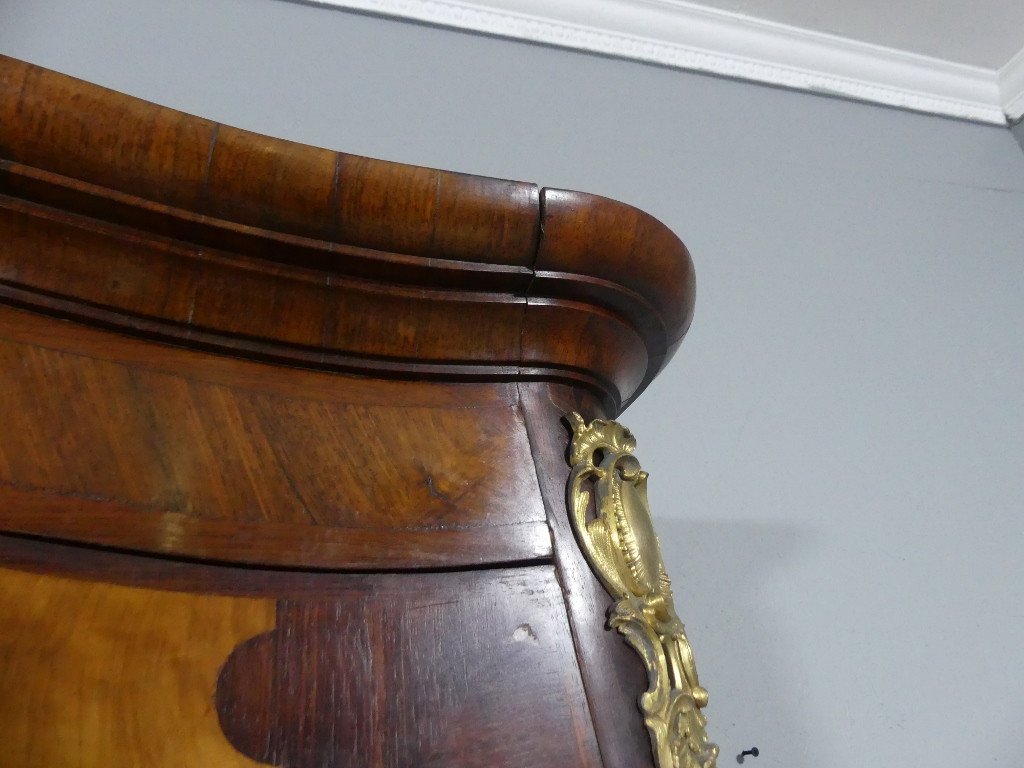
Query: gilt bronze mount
x=618, y=539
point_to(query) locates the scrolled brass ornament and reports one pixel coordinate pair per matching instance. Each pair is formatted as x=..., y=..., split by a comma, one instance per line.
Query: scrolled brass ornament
x=618, y=539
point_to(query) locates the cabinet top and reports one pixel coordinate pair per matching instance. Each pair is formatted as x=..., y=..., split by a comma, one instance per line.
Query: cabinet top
x=201, y=234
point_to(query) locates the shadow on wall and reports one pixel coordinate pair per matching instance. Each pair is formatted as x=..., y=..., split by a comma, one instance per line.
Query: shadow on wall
x=721, y=575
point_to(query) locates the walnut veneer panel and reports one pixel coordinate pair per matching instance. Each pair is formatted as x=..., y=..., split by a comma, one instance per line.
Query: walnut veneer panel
x=120, y=661
x=282, y=444
x=114, y=675
x=182, y=452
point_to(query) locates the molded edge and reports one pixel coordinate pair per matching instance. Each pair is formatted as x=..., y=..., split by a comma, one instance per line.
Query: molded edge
x=280, y=245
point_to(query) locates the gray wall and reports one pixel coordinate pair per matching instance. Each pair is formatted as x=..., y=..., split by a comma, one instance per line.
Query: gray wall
x=837, y=451
x=1018, y=130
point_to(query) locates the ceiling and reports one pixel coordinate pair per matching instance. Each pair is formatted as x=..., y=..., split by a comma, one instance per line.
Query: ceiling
x=958, y=58
x=982, y=33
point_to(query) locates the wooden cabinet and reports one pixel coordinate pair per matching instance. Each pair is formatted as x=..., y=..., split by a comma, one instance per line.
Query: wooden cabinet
x=283, y=448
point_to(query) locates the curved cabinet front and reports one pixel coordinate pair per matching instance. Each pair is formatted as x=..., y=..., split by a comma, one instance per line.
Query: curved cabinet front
x=116, y=659
x=283, y=451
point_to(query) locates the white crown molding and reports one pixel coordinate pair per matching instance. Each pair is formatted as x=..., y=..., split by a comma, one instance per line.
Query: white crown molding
x=1011, y=86
x=682, y=35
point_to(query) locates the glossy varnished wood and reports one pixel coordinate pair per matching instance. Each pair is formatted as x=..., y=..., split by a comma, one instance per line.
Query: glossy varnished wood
x=613, y=673
x=94, y=675
x=472, y=669
x=282, y=447
x=179, y=228
x=180, y=452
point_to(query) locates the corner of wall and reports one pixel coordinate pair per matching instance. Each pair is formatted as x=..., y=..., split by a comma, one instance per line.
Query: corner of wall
x=1017, y=129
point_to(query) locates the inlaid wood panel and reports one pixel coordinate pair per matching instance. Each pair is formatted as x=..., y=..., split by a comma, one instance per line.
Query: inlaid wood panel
x=143, y=661
x=469, y=670
x=95, y=675
x=94, y=432
x=281, y=448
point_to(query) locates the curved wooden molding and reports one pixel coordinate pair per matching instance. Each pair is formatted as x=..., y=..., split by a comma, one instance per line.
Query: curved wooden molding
x=689, y=36
x=126, y=214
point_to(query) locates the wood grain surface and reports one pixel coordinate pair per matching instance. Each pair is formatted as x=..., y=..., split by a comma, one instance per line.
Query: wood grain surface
x=94, y=675
x=175, y=451
x=119, y=212
x=283, y=451
x=613, y=674
x=462, y=670
x=473, y=669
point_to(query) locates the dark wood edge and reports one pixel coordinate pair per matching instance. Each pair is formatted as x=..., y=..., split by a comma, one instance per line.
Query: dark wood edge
x=613, y=674
x=250, y=348
x=27, y=327
x=94, y=158
x=118, y=525
x=130, y=569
